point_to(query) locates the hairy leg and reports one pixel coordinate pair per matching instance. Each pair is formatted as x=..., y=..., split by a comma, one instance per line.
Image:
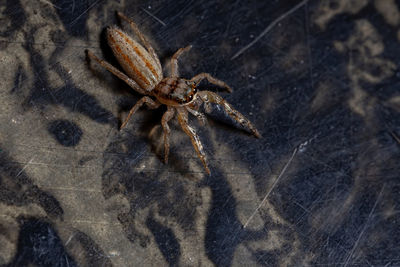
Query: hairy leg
x=142, y=38
x=199, y=77
x=200, y=116
x=117, y=73
x=174, y=60
x=183, y=121
x=144, y=100
x=211, y=97
x=168, y=115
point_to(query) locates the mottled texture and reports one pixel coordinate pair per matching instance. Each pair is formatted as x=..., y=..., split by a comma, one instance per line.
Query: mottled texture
x=321, y=188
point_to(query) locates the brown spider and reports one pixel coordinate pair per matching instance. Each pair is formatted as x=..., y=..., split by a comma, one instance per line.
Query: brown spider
x=144, y=74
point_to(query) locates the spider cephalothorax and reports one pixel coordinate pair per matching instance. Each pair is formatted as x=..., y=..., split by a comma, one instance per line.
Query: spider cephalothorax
x=144, y=74
x=174, y=91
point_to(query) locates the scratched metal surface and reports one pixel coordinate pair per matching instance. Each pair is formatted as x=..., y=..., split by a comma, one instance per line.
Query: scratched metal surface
x=320, y=188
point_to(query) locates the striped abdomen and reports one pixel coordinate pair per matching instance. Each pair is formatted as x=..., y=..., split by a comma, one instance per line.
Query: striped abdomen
x=134, y=59
x=175, y=91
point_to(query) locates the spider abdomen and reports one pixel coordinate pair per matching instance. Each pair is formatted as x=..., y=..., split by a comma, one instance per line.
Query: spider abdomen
x=134, y=59
x=174, y=91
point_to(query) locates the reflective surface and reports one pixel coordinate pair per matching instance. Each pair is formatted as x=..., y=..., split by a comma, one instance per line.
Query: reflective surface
x=320, y=188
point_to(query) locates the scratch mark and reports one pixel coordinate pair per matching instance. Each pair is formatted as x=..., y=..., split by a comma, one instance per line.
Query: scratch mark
x=395, y=136
x=26, y=165
x=73, y=7
x=272, y=187
x=269, y=27
x=77, y=189
x=368, y=262
x=183, y=10
x=153, y=170
x=56, y=44
x=301, y=206
x=231, y=18
x=310, y=60
x=69, y=240
x=92, y=222
x=101, y=152
x=364, y=228
x=83, y=13
x=47, y=2
x=154, y=17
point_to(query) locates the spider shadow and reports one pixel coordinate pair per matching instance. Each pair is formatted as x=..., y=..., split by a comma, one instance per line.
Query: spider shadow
x=126, y=103
x=175, y=163
x=149, y=126
x=155, y=137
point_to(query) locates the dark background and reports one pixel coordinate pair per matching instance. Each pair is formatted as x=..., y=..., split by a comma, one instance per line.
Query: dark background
x=320, y=188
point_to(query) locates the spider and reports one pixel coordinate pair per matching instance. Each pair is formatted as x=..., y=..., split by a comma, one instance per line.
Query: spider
x=144, y=74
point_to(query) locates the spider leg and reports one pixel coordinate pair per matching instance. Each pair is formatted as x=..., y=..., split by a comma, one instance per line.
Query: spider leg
x=174, y=60
x=168, y=115
x=211, y=97
x=200, y=116
x=183, y=121
x=142, y=38
x=117, y=73
x=144, y=100
x=199, y=77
